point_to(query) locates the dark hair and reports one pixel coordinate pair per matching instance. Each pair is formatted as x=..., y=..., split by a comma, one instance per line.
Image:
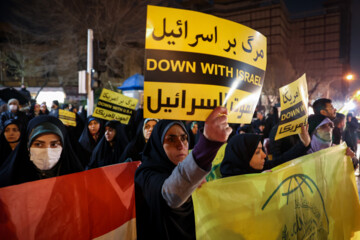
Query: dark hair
x=56, y=102
x=320, y=104
x=339, y=117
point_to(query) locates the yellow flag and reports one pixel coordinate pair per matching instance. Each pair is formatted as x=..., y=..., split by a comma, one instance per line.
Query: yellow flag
x=312, y=197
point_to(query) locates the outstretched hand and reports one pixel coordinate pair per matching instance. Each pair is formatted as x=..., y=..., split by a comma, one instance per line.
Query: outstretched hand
x=216, y=125
x=304, y=135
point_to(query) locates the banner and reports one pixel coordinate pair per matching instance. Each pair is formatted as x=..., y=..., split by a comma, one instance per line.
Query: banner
x=95, y=204
x=115, y=106
x=67, y=118
x=312, y=197
x=195, y=62
x=294, y=108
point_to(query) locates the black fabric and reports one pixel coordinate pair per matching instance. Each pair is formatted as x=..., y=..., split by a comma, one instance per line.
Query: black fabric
x=154, y=218
x=20, y=169
x=238, y=154
x=87, y=142
x=337, y=135
x=104, y=154
x=133, y=151
x=280, y=146
x=5, y=148
x=350, y=134
x=20, y=116
x=314, y=121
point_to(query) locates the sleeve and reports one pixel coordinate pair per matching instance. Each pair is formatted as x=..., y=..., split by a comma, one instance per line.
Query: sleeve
x=184, y=179
x=296, y=151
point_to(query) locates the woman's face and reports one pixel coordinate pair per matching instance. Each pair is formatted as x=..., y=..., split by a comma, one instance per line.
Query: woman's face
x=149, y=126
x=37, y=108
x=109, y=133
x=176, y=144
x=12, y=133
x=94, y=127
x=47, y=140
x=258, y=159
x=43, y=108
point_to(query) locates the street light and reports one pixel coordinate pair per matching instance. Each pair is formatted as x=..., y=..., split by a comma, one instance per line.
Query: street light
x=349, y=77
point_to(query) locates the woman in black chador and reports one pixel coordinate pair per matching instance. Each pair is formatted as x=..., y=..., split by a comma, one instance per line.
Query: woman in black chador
x=45, y=152
x=90, y=137
x=110, y=147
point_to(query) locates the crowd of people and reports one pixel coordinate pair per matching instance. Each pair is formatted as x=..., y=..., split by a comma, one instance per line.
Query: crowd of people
x=175, y=156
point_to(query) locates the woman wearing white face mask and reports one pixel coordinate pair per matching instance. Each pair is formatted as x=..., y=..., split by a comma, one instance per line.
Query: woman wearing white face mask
x=45, y=152
x=13, y=113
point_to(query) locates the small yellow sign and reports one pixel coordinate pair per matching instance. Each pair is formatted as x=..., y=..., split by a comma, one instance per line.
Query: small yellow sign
x=67, y=118
x=294, y=108
x=115, y=106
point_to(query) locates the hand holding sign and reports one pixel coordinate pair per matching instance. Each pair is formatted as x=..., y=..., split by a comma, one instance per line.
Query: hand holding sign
x=304, y=135
x=216, y=125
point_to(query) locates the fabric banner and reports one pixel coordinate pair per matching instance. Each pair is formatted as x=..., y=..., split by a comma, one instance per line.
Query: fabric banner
x=67, y=118
x=195, y=62
x=312, y=197
x=95, y=204
x=114, y=106
x=294, y=108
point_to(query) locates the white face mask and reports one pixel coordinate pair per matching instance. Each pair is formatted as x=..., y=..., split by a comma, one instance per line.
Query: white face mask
x=13, y=107
x=45, y=158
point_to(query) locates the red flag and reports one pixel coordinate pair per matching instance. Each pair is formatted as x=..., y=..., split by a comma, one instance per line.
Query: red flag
x=98, y=203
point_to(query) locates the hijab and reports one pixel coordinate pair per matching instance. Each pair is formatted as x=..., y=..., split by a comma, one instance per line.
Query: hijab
x=154, y=217
x=238, y=153
x=20, y=169
x=104, y=154
x=86, y=140
x=5, y=148
x=135, y=148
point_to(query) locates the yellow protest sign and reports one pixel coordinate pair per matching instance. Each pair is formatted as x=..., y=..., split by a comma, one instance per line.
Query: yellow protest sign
x=195, y=62
x=294, y=108
x=114, y=106
x=312, y=197
x=67, y=118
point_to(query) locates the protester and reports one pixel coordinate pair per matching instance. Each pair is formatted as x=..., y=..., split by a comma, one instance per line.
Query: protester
x=9, y=138
x=13, y=113
x=320, y=130
x=259, y=123
x=25, y=92
x=110, y=147
x=192, y=128
x=323, y=106
x=169, y=174
x=54, y=108
x=339, y=123
x=43, y=109
x=271, y=120
x=45, y=152
x=244, y=154
x=134, y=149
x=91, y=135
x=34, y=111
x=350, y=133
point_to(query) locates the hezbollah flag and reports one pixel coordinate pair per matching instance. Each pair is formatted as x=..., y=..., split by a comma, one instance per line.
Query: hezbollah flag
x=312, y=197
x=95, y=204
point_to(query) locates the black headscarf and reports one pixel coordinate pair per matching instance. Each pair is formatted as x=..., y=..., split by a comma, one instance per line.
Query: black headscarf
x=5, y=148
x=20, y=169
x=86, y=140
x=238, y=154
x=135, y=148
x=103, y=153
x=155, y=219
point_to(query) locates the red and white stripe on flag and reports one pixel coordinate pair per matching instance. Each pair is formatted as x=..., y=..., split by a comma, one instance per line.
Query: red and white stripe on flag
x=94, y=204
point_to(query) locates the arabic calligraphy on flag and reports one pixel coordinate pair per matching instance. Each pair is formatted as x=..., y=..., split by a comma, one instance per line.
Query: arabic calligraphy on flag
x=195, y=62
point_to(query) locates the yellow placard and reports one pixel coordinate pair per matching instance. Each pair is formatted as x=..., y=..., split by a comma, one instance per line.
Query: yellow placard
x=312, y=197
x=204, y=56
x=294, y=108
x=115, y=106
x=67, y=118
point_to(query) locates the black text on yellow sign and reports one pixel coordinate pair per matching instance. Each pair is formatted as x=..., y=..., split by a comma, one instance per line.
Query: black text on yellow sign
x=191, y=101
x=115, y=106
x=67, y=118
x=293, y=100
x=189, y=31
x=224, y=68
